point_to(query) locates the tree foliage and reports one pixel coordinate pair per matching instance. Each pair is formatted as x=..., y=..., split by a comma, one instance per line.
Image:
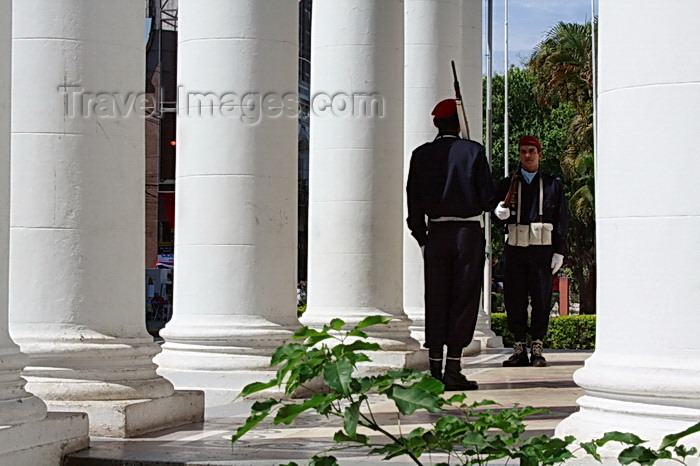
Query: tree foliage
x=562, y=65
x=552, y=100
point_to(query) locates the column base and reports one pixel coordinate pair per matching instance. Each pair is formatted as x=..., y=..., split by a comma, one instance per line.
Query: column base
x=383, y=361
x=129, y=418
x=219, y=387
x=417, y=327
x=222, y=387
x=489, y=339
x=651, y=422
x=473, y=349
x=44, y=442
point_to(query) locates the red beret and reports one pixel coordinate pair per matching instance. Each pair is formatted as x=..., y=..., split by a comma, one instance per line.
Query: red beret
x=529, y=141
x=445, y=108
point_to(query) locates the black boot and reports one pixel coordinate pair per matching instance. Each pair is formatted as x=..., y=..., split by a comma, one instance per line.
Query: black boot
x=536, y=357
x=453, y=379
x=519, y=356
x=435, y=360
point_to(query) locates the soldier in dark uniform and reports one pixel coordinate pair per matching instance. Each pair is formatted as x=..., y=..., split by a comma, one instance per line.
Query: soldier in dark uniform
x=449, y=182
x=537, y=219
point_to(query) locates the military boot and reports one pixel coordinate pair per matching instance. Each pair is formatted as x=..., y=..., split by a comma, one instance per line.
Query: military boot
x=435, y=361
x=519, y=356
x=536, y=358
x=453, y=379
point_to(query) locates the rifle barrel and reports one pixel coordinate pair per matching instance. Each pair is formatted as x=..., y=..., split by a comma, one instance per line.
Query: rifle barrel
x=458, y=94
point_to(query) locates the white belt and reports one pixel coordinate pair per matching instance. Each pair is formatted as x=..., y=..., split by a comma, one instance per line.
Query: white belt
x=476, y=218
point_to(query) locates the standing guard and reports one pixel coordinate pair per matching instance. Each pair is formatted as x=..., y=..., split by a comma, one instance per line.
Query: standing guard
x=537, y=218
x=450, y=184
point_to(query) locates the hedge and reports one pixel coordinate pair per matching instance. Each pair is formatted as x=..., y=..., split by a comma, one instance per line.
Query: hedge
x=565, y=332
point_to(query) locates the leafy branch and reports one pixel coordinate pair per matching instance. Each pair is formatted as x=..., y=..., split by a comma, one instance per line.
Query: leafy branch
x=468, y=433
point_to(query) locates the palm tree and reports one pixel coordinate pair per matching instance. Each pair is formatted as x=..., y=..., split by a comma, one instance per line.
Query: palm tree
x=563, y=69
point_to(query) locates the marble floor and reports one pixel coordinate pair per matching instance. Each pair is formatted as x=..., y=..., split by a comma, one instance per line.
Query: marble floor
x=209, y=443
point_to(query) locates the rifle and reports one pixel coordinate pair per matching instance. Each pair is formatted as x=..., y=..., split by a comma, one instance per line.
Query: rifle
x=513, y=184
x=463, y=123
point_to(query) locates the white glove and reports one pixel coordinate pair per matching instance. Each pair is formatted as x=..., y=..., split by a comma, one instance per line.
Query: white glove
x=422, y=251
x=557, y=262
x=502, y=211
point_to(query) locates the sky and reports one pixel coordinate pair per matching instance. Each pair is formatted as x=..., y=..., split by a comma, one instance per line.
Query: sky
x=528, y=23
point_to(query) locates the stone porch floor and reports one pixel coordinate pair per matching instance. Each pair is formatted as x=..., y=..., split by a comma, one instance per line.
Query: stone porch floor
x=209, y=443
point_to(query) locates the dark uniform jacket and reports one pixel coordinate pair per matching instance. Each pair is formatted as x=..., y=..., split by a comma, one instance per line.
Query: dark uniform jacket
x=449, y=177
x=554, y=207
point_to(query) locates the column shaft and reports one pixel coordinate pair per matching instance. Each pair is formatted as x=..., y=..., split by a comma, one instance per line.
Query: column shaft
x=235, y=240
x=437, y=31
x=355, y=224
x=77, y=219
x=27, y=434
x=643, y=376
x=432, y=34
x=16, y=405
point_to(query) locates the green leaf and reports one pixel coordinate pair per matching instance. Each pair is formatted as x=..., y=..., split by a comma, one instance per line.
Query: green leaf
x=474, y=439
x=592, y=449
x=671, y=439
x=641, y=455
x=341, y=436
x=256, y=387
x=289, y=412
x=266, y=405
x=304, y=332
x=352, y=415
x=323, y=461
x=372, y=320
x=629, y=439
x=408, y=400
x=338, y=374
x=430, y=385
x=456, y=398
x=314, y=339
x=478, y=404
x=252, y=421
x=357, y=333
x=683, y=452
x=336, y=324
x=285, y=352
x=359, y=345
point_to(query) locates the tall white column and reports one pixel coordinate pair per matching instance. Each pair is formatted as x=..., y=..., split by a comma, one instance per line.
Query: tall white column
x=432, y=39
x=77, y=218
x=355, y=172
x=437, y=31
x=236, y=224
x=27, y=434
x=471, y=80
x=643, y=377
x=16, y=405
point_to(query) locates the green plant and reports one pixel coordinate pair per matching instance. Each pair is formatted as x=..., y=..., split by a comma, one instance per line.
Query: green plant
x=479, y=432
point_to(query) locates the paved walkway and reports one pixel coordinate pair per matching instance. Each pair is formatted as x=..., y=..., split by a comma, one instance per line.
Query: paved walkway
x=209, y=443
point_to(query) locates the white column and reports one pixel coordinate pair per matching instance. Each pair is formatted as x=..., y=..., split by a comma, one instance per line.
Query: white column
x=27, y=434
x=236, y=226
x=77, y=219
x=356, y=174
x=471, y=80
x=433, y=31
x=437, y=31
x=643, y=377
x=16, y=405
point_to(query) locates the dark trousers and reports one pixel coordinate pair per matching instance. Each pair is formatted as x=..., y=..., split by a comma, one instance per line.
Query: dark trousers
x=454, y=275
x=528, y=274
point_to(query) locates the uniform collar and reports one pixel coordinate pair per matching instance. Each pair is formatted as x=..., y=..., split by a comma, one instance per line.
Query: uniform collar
x=446, y=135
x=527, y=176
